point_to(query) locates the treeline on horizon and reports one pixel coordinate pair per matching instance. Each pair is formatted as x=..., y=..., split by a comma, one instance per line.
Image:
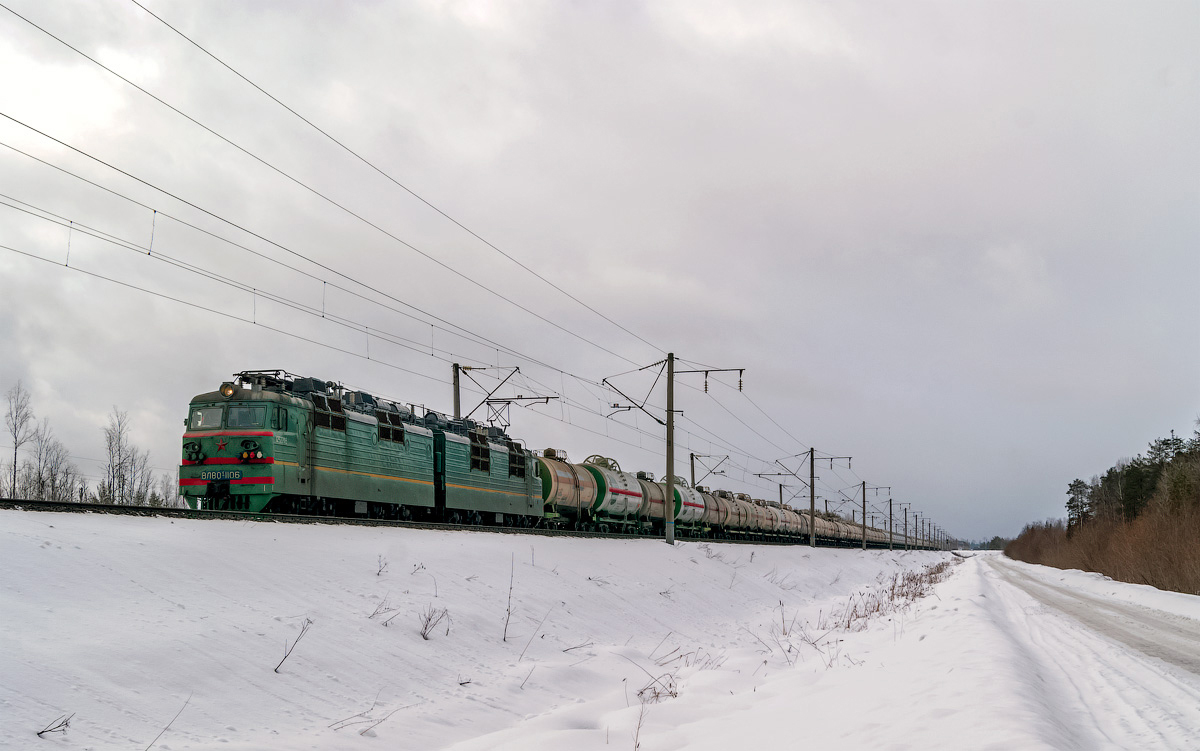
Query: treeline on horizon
x=47, y=471
x=1138, y=522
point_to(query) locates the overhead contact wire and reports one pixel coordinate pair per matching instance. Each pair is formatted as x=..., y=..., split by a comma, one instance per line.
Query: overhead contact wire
x=457, y=330
x=393, y=180
x=298, y=182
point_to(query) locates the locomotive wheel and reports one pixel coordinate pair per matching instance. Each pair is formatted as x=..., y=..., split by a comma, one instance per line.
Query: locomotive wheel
x=454, y=518
x=475, y=518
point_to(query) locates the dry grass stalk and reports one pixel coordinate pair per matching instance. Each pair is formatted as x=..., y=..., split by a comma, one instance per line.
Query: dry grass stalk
x=535, y=632
x=58, y=726
x=512, y=572
x=430, y=617
x=382, y=608
x=288, y=650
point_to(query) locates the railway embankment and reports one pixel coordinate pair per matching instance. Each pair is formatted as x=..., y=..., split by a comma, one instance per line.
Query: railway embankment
x=438, y=636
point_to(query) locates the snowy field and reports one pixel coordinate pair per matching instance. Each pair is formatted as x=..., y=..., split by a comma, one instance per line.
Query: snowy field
x=610, y=644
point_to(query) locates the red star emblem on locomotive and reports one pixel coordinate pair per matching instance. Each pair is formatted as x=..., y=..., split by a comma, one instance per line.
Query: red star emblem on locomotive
x=221, y=444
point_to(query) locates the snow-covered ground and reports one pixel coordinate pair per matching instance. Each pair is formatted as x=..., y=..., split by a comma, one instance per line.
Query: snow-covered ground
x=123, y=620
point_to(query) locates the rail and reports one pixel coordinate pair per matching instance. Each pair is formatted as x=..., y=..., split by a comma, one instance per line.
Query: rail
x=189, y=513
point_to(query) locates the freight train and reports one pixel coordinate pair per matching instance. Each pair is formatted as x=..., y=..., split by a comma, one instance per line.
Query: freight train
x=272, y=442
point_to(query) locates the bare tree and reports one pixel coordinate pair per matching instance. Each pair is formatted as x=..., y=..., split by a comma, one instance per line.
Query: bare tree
x=63, y=480
x=18, y=418
x=49, y=474
x=127, y=475
x=166, y=491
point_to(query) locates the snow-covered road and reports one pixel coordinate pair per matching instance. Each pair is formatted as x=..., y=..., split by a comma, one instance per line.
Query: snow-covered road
x=1106, y=673
x=119, y=620
x=1172, y=638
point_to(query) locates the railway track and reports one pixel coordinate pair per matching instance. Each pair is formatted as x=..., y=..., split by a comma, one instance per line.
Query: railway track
x=187, y=513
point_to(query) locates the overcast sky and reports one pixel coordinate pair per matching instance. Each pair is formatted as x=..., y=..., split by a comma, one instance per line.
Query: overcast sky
x=957, y=241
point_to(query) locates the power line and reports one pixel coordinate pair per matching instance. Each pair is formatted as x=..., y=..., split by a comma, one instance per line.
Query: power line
x=326, y=268
x=408, y=190
x=333, y=271
x=220, y=313
x=765, y=414
x=465, y=333
x=349, y=323
x=246, y=287
x=86, y=459
x=354, y=325
x=293, y=179
x=226, y=280
x=241, y=286
x=292, y=335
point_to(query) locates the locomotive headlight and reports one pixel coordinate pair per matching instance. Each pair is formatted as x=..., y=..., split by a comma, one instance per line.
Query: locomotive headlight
x=227, y=389
x=245, y=454
x=259, y=454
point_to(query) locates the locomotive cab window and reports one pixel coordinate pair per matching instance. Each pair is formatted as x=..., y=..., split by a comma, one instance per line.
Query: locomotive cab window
x=205, y=418
x=247, y=417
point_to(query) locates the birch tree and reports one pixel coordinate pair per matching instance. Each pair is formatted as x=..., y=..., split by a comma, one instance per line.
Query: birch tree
x=18, y=418
x=127, y=476
x=49, y=474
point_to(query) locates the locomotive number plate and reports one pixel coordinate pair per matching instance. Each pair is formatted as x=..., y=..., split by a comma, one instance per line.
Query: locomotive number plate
x=221, y=474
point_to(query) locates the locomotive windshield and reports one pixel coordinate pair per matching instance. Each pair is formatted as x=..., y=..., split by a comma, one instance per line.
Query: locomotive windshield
x=247, y=417
x=205, y=418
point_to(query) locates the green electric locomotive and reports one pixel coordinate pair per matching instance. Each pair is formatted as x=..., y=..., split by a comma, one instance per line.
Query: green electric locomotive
x=272, y=442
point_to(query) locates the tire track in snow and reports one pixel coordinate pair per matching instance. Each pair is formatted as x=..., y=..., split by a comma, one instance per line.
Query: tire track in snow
x=1094, y=681
x=1171, y=638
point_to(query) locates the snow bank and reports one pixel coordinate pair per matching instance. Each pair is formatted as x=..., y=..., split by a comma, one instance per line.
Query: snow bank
x=122, y=619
